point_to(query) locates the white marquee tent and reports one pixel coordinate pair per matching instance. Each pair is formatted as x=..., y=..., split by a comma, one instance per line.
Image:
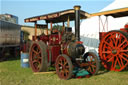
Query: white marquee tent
x=90, y=27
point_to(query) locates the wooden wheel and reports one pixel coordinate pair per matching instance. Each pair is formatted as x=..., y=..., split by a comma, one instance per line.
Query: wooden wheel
x=38, y=56
x=64, y=67
x=90, y=63
x=113, y=50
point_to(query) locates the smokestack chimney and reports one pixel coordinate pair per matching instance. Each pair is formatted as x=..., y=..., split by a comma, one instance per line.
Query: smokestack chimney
x=77, y=22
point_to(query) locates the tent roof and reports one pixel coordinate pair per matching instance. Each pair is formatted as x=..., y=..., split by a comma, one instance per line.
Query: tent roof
x=60, y=16
x=115, y=13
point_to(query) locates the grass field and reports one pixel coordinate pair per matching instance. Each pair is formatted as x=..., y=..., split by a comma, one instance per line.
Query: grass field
x=11, y=73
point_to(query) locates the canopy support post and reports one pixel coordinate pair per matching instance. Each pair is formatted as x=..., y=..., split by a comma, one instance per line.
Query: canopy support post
x=51, y=25
x=63, y=27
x=47, y=28
x=35, y=31
x=68, y=22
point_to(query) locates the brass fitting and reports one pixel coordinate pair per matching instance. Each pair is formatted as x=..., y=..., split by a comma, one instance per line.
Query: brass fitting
x=77, y=7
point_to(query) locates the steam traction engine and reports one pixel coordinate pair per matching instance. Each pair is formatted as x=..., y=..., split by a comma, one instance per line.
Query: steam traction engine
x=64, y=50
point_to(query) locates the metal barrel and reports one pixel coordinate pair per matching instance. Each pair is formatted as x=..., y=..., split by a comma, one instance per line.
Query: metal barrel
x=25, y=60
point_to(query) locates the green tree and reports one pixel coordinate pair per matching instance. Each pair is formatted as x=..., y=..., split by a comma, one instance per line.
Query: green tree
x=26, y=35
x=57, y=27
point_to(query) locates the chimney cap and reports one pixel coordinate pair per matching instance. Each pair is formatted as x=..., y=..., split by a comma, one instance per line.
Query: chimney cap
x=77, y=7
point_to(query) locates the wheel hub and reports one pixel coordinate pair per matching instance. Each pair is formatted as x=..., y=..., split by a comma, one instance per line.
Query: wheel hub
x=62, y=67
x=114, y=51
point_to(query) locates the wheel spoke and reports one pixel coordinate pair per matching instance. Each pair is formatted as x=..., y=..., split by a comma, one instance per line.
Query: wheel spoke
x=89, y=69
x=39, y=57
x=112, y=65
x=34, y=51
x=60, y=62
x=108, y=48
x=119, y=62
x=110, y=59
x=67, y=67
x=112, y=38
x=124, y=46
x=62, y=73
x=65, y=62
x=66, y=72
x=115, y=63
x=122, y=43
x=39, y=52
x=123, y=58
x=125, y=54
x=123, y=50
x=108, y=44
x=93, y=69
x=106, y=52
x=93, y=66
x=94, y=62
x=35, y=61
x=36, y=65
x=116, y=43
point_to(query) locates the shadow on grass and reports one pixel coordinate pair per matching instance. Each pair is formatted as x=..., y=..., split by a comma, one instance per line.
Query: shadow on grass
x=102, y=70
x=10, y=58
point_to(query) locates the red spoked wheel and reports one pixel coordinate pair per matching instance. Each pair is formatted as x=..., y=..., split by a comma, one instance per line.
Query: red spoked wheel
x=38, y=56
x=64, y=67
x=113, y=50
x=90, y=63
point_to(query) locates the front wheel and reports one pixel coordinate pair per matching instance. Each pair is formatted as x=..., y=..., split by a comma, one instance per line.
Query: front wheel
x=90, y=63
x=64, y=67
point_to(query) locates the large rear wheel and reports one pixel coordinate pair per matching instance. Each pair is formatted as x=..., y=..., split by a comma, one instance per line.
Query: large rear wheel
x=113, y=50
x=38, y=56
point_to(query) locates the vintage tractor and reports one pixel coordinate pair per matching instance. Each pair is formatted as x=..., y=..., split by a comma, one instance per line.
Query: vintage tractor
x=64, y=50
x=113, y=47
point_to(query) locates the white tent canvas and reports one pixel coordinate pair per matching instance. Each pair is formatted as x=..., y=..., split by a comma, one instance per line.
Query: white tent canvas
x=90, y=27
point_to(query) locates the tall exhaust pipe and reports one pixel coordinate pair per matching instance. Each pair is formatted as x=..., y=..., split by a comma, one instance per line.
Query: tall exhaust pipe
x=77, y=22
